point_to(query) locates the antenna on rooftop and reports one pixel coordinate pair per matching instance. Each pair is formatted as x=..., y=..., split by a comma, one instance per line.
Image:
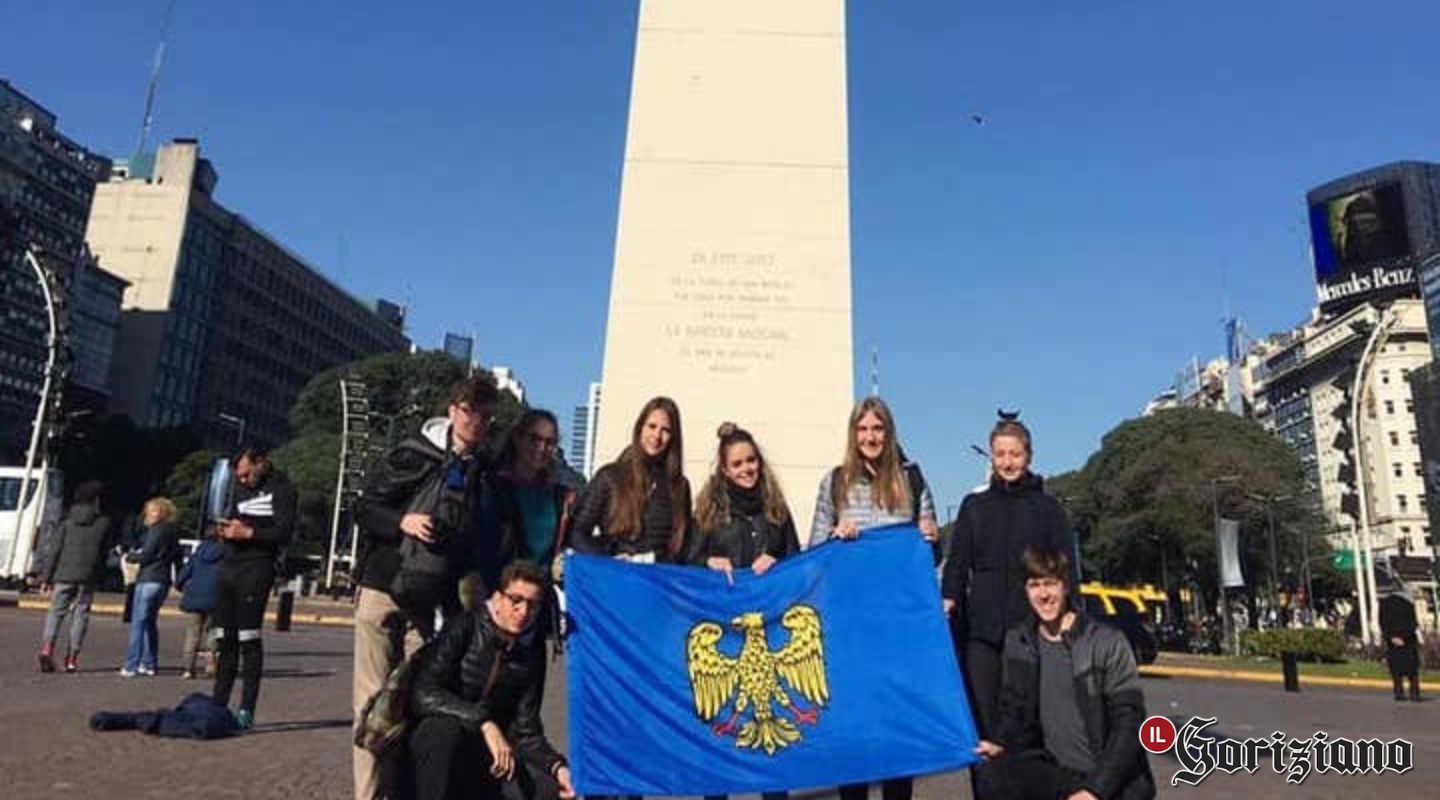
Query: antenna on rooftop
x=147, y=121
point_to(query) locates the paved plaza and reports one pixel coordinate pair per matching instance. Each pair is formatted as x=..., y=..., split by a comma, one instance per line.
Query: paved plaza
x=299, y=749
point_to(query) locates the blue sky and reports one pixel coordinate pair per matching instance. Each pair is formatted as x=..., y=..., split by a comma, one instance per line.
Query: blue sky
x=1140, y=166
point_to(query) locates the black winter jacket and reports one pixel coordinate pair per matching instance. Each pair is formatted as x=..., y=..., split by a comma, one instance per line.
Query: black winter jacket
x=79, y=546
x=269, y=508
x=387, y=499
x=158, y=554
x=984, y=574
x=477, y=673
x=747, y=537
x=587, y=532
x=1107, y=689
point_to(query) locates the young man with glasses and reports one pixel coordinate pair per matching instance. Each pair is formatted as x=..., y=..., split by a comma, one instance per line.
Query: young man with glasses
x=1071, y=704
x=427, y=489
x=476, y=699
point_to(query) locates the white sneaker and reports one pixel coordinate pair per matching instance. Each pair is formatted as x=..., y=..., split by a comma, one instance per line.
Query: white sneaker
x=147, y=671
x=127, y=673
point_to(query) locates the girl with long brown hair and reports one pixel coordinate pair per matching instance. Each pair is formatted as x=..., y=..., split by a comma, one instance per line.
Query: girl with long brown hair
x=638, y=506
x=741, y=516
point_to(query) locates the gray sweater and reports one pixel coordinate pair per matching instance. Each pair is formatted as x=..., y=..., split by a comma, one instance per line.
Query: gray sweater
x=79, y=541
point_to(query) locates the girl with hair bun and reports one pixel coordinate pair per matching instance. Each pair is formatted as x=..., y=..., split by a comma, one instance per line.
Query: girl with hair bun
x=741, y=515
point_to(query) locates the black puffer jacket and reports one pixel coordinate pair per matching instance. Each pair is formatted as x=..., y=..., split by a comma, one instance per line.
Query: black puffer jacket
x=1107, y=689
x=588, y=534
x=79, y=544
x=748, y=535
x=477, y=673
x=984, y=574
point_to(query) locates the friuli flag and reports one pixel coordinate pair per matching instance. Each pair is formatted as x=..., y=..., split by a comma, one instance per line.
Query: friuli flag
x=834, y=667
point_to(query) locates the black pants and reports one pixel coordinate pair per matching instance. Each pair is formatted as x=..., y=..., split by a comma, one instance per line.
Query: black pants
x=893, y=789
x=1032, y=775
x=448, y=761
x=983, y=663
x=243, y=590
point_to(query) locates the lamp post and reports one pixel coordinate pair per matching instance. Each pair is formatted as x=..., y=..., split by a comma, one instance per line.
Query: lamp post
x=239, y=423
x=1369, y=604
x=1224, y=602
x=50, y=349
x=1270, y=500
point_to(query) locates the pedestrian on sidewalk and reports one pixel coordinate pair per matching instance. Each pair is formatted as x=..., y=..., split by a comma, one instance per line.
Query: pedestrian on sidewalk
x=1402, y=652
x=71, y=572
x=159, y=550
x=259, y=524
x=427, y=491
x=199, y=580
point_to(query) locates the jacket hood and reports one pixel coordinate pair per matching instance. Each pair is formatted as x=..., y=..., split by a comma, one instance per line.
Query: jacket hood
x=436, y=431
x=83, y=513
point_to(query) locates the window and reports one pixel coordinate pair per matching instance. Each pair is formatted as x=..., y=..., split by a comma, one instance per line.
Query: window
x=1402, y=503
x=1384, y=376
x=1419, y=469
x=1409, y=405
x=1396, y=469
x=1389, y=406
x=1414, y=437
x=1394, y=439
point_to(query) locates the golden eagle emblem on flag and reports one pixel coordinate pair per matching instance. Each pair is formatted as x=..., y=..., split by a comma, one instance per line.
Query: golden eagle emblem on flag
x=753, y=678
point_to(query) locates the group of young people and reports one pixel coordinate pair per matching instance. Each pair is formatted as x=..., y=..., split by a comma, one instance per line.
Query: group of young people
x=1054, y=694
x=226, y=582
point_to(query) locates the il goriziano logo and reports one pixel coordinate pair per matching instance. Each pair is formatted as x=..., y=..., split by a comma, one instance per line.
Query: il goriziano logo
x=1200, y=754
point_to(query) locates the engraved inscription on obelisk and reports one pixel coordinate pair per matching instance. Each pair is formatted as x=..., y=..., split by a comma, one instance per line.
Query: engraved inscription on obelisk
x=731, y=288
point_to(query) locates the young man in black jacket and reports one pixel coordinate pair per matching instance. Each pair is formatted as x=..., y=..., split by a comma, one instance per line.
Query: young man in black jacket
x=476, y=700
x=1071, y=705
x=256, y=531
x=389, y=512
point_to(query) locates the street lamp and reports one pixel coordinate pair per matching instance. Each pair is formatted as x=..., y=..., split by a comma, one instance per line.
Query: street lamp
x=50, y=349
x=1270, y=500
x=1369, y=604
x=239, y=423
x=1215, y=505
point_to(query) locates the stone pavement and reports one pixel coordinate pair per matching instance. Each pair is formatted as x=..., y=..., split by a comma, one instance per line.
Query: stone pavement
x=300, y=747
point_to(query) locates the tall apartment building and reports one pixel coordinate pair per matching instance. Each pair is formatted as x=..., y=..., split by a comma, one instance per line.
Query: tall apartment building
x=1305, y=399
x=46, y=185
x=221, y=323
x=583, y=427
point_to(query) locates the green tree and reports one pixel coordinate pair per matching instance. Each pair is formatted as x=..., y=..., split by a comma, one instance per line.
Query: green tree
x=403, y=389
x=1144, y=501
x=186, y=485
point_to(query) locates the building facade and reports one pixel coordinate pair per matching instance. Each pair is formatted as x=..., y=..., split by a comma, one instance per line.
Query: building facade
x=222, y=325
x=47, y=182
x=583, y=427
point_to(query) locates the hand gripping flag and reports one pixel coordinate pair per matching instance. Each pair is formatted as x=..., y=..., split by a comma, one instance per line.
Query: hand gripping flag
x=834, y=667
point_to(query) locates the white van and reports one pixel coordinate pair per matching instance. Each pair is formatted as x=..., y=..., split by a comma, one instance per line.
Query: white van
x=22, y=529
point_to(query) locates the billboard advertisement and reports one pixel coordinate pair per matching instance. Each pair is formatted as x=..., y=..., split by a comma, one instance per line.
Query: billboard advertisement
x=1361, y=246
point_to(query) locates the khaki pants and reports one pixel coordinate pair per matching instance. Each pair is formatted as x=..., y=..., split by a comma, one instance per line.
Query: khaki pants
x=383, y=636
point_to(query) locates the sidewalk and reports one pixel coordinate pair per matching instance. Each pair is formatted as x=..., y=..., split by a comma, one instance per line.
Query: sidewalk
x=1182, y=665
x=313, y=610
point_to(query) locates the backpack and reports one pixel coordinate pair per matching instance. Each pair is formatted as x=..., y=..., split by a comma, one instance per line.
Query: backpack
x=426, y=575
x=383, y=720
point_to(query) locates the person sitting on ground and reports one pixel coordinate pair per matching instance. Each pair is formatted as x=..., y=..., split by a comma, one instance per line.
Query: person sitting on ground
x=1071, y=702
x=475, y=701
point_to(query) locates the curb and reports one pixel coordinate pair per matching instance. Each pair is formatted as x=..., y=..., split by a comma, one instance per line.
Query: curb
x=1262, y=677
x=115, y=610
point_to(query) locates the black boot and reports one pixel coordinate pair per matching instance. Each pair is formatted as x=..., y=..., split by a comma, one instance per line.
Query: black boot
x=1399, y=690
x=1415, y=690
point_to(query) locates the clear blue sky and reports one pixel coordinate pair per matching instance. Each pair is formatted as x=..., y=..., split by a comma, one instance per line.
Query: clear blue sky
x=1140, y=165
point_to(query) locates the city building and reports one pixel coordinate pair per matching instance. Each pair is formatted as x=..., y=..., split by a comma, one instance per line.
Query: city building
x=46, y=185
x=506, y=381
x=222, y=325
x=584, y=425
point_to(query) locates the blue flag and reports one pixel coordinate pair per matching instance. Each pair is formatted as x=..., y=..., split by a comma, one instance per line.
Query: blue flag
x=834, y=667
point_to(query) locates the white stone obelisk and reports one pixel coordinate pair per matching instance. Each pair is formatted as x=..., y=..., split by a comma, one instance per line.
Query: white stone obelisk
x=731, y=286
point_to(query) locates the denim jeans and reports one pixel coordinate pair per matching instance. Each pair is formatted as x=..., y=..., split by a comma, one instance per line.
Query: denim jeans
x=143, y=650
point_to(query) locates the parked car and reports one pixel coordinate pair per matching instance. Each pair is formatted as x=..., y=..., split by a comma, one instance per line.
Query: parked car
x=1125, y=613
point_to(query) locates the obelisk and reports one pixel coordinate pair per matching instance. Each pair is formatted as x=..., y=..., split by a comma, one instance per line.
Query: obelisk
x=731, y=285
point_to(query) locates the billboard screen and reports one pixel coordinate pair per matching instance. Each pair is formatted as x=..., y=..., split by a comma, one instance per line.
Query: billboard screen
x=1358, y=229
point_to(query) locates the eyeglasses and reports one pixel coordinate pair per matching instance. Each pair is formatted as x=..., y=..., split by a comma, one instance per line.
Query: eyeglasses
x=519, y=600
x=486, y=415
